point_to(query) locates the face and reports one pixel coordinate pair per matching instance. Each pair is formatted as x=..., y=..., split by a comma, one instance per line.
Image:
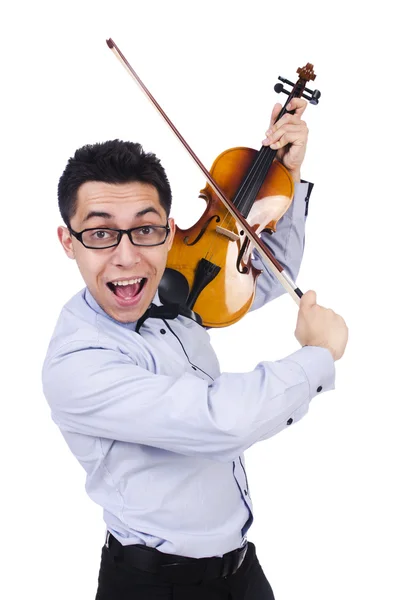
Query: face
x=120, y=206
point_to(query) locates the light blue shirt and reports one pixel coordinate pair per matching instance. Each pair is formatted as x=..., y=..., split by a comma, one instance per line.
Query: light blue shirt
x=159, y=430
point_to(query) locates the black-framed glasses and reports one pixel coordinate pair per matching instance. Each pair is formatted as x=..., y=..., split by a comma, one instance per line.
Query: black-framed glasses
x=99, y=238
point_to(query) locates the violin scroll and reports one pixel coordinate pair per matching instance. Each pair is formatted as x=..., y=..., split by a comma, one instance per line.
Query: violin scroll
x=299, y=88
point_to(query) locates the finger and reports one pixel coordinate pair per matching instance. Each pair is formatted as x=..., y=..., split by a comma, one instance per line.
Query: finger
x=290, y=134
x=308, y=300
x=286, y=119
x=298, y=105
x=275, y=112
x=288, y=140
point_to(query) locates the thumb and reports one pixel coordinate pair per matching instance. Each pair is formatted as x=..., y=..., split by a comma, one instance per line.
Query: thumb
x=308, y=300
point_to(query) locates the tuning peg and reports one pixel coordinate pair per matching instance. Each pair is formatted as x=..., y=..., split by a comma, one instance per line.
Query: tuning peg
x=315, y=97
x=280, y=88
x=312, y=96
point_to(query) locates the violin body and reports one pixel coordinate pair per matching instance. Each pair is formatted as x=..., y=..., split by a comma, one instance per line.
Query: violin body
x=224, y=297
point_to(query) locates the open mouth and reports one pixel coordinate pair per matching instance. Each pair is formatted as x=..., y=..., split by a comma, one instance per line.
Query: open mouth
x=129, y=291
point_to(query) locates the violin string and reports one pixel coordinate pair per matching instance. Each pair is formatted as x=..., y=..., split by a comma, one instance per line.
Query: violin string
x=259, y=172
x=264, y=161
x=259, y=168
x=256, y=173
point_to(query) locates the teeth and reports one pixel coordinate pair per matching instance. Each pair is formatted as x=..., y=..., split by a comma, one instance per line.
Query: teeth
x=128, y=282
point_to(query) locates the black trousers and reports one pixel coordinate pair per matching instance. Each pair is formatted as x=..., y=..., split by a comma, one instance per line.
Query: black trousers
x=121, y=581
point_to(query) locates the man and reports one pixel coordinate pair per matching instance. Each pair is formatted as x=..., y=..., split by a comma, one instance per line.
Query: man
x=158, y=429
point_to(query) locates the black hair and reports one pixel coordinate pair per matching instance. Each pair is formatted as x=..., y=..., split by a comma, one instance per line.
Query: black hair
x=113, y=161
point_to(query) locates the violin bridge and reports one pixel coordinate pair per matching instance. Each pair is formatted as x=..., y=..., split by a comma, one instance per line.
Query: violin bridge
x=230, y=234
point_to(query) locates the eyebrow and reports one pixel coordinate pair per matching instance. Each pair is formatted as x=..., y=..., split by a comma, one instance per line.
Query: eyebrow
x=105, y=215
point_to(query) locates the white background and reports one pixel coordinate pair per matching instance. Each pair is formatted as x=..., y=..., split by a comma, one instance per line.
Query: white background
x=324, y=499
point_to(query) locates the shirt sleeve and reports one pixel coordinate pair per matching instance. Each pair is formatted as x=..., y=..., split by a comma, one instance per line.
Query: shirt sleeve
x=287, y=245
x=101, y=392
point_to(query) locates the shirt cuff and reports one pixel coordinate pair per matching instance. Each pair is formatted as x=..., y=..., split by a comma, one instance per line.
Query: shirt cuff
x=310, y=187
x=318, y=366
x=298, y=207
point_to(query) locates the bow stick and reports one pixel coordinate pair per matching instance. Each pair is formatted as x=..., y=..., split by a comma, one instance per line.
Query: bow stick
x=271, y=262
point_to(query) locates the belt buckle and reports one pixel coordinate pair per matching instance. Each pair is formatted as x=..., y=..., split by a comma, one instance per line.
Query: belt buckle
x=232, y=562
x=107, y=539
x=240, y=558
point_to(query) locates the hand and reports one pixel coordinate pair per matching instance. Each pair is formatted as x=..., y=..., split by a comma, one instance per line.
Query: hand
x=289, y=136
x=319, y=326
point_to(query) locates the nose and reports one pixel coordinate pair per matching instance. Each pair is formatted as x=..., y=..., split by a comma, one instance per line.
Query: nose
x=126, y=254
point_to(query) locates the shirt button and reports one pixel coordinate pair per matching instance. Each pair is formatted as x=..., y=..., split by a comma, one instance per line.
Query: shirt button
x=320, y=387
x=162, y=331
x=290, y=421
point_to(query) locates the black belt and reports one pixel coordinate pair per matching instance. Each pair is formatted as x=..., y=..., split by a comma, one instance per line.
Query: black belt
x=171, y=567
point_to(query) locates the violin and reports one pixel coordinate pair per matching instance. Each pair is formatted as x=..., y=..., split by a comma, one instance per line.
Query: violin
x=209, y=267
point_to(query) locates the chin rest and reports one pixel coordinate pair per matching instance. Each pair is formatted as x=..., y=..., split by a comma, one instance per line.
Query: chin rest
x=173, y=293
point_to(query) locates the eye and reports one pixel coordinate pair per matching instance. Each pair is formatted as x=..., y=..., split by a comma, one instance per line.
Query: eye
x=102, y=234
x=146, y=230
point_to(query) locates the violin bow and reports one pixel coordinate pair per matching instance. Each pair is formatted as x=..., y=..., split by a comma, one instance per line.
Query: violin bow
x=268, y=258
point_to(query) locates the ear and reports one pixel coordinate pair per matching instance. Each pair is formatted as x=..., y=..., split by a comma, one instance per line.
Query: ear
x=171, y=235
x=65, y=238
